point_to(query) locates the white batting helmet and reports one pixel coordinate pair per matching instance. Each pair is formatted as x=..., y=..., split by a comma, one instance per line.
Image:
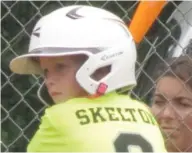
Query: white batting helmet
x=78, y=29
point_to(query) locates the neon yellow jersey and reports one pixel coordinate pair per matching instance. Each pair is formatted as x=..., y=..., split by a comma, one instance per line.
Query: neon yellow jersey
x=111, y=123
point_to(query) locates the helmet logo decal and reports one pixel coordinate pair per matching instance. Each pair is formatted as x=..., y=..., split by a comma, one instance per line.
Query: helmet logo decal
x=36, y=32
x=73, y=13
x=106, y=57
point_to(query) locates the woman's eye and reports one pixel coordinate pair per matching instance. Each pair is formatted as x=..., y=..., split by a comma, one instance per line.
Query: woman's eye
x=184, y=103
x=159, y=102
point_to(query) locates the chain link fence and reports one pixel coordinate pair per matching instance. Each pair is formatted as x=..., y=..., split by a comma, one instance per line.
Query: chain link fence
x=20, y=108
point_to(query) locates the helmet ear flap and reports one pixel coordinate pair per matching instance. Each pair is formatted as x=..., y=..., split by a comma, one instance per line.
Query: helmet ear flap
x=100, y=73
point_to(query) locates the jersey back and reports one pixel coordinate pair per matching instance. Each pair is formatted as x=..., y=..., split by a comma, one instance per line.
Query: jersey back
x=112, y=123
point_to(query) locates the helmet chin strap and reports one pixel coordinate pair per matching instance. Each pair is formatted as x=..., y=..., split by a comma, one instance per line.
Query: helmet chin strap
x=102, y=88
x=39, y=95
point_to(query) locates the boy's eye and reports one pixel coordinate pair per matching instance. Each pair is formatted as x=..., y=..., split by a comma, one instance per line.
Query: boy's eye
x=60, y=67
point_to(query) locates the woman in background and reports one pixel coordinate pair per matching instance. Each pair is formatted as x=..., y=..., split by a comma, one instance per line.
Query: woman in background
x=172, y=103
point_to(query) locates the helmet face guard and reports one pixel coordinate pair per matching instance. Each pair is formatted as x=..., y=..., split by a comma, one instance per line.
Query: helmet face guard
x=91, y=31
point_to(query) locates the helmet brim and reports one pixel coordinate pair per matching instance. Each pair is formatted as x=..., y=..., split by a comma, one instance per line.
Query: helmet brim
x=25, y=64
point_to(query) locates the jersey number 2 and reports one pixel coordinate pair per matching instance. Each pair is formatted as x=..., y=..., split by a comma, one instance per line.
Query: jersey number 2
x=126, y=140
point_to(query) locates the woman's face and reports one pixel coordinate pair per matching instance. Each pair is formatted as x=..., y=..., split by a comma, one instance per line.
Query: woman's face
x=59, y=73
x=172, y=107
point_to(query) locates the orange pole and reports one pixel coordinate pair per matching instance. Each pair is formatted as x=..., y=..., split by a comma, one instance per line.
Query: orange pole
x=145, y=15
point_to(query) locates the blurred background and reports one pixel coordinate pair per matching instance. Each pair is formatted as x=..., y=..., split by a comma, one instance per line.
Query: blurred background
x=21, y=109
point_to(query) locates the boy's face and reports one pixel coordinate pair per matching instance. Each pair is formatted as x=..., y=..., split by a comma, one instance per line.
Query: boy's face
x=59, y=75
